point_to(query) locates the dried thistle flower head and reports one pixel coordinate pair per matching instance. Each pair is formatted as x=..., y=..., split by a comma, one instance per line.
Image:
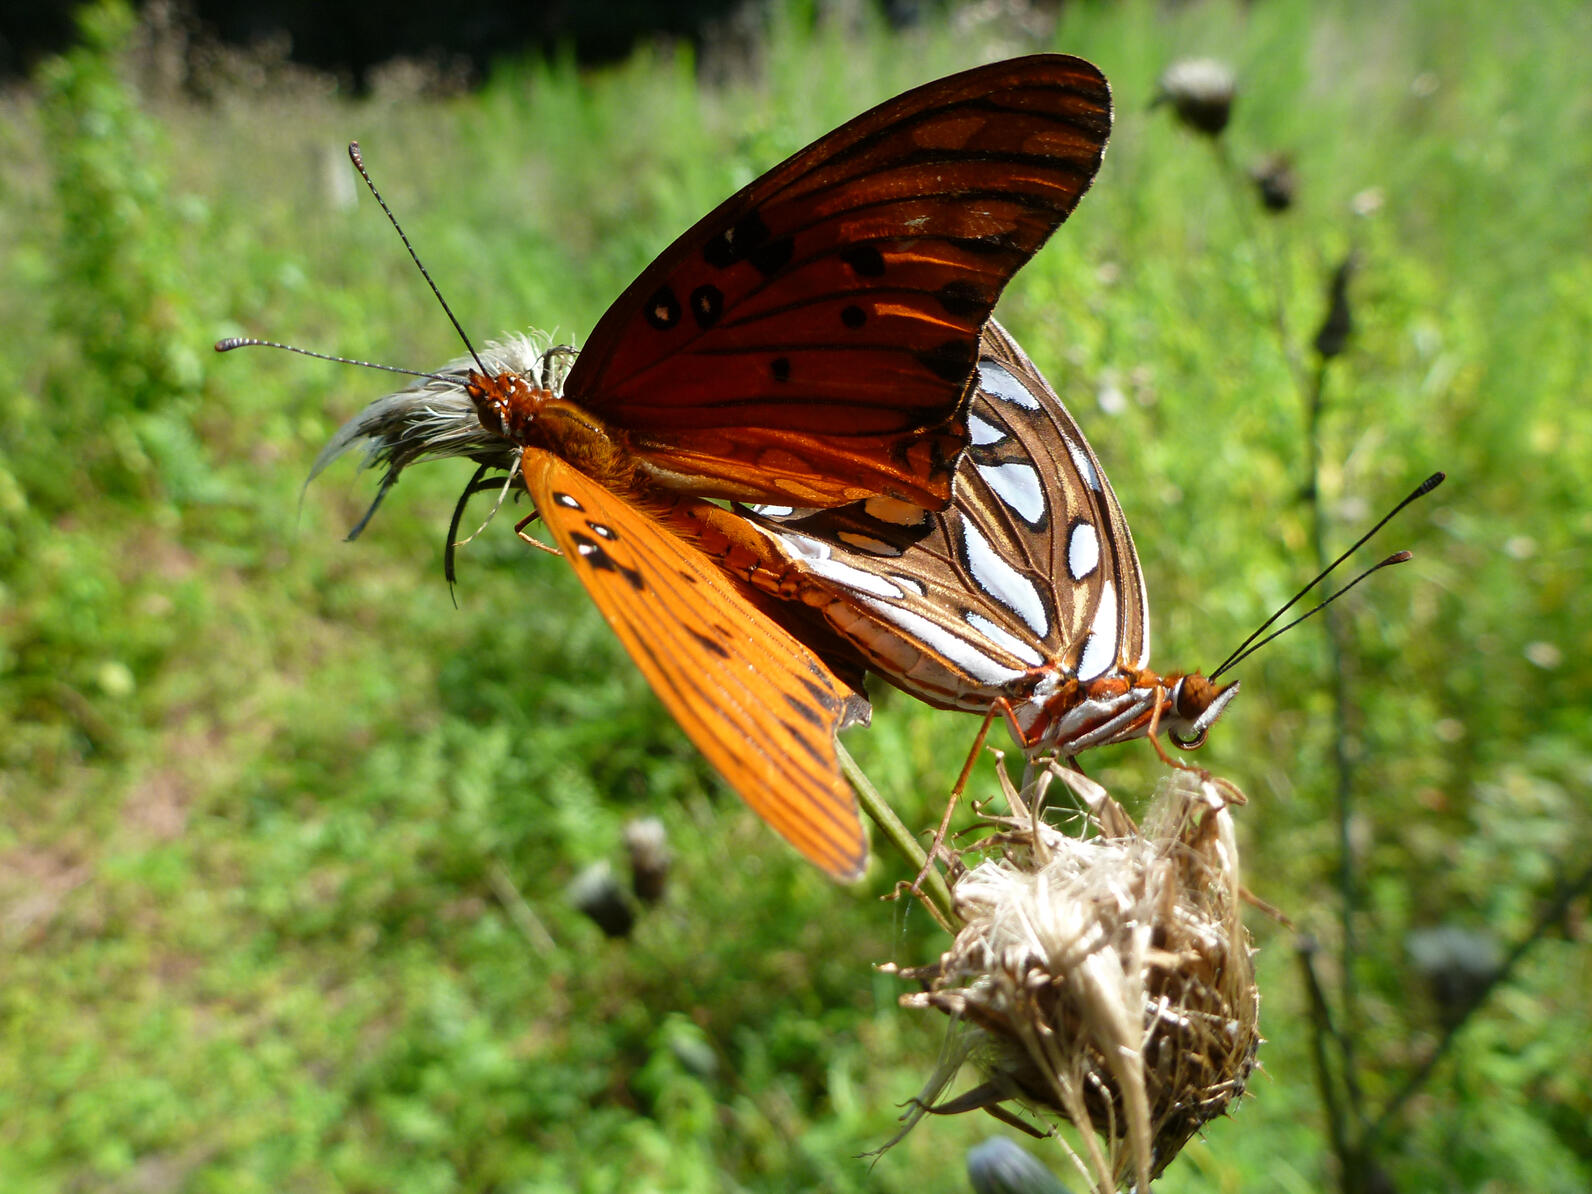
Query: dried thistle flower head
x=1276, y=181
x=1201, y=92
x=1104, y=979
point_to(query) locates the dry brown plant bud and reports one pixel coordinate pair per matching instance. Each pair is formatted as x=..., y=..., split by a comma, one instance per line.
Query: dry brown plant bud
x=1201, y=92
x=1102, y=977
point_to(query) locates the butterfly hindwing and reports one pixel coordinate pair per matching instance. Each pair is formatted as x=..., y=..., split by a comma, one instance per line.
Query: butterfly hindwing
x=758, y=703
x=812, y=338
x=1031, y=571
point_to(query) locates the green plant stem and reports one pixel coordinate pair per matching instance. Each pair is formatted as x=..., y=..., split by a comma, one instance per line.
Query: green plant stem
x=933, y=888
x=1325, y=1030
x=1342, y=762
x=1233, y=178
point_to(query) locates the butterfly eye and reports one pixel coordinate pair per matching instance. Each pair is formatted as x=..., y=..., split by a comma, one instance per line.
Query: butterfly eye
x=1194, y=743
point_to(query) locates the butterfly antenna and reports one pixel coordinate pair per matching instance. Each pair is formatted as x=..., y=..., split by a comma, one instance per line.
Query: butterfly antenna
x=359, y=164
x=1244, y=648
x=1234, y=660
x=232, y=342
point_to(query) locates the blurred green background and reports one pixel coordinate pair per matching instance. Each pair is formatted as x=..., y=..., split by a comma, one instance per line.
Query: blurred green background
x=281, y=828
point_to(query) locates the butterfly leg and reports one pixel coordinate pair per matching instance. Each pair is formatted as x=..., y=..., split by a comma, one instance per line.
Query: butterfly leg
x=519, y=529
x=956, y=795
x=1154, y=732
x=1228, y=790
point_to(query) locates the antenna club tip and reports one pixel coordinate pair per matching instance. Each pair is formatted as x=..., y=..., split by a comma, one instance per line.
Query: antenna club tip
x=1399, y=557
x=1433, y=482
x=229, y=343
x=354, y=154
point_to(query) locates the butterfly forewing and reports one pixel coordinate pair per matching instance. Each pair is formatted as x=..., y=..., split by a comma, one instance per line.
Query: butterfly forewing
x=1030, y=576
x=813, y=337
x=758, y=703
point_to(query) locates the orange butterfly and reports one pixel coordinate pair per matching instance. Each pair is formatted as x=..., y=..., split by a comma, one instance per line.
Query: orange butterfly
x=811, y=341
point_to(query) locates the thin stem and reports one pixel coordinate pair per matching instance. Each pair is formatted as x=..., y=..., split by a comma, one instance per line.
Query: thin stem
x=936, y=894
x=1325, y=1030
x=1342, y=762
x=1232, y=176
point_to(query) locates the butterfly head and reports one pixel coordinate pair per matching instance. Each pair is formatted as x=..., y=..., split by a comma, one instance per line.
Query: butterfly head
x=506, y=403
x=1195, y=702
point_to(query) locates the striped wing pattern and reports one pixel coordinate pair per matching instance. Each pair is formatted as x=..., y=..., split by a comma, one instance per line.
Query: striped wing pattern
x=811, y=339
x=1029, y=579
x=758, y=703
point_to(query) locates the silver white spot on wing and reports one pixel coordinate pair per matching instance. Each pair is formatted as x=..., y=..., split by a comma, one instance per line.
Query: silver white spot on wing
x=1002, y=582
x=773, y=511
x=818, y=557
x=910, y=584
x=1085, y=466
x=1003, y=638
x=958, y=651
x=982, y=433
x=1083, y=550
x=997, y=381
x=1017, y=485
x=1099, y=654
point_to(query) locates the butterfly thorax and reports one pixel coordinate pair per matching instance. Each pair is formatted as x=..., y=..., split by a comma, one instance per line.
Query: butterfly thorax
x=509, y=406
x=1123, y=704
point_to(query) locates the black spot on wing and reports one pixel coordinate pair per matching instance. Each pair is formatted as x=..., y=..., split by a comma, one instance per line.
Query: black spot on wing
x=769, y=259
x=951, y=361
x=663, y=309
x=821, y=694
x=853, y=316
x=812, y=750
x=865, y=260
x=736, y=242
x=592, y=553
x=961, y=297
x=707, y=304
x=779, y=368
x=709, y=644
x=805, y=711
x=988, y=245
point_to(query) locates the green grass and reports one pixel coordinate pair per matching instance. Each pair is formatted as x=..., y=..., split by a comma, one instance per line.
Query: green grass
x=256, y=782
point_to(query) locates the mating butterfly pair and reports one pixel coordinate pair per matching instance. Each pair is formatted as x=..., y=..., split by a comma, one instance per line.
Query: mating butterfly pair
x=816, y=342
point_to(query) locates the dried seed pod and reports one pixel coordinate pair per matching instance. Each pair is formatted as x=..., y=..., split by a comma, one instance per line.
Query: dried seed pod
x=1102, y=979
x=597, y=893
x=1201, y=92
x=1275, y=180
x=647, y=845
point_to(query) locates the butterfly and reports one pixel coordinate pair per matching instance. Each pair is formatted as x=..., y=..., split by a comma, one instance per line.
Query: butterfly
x=1025, y=595
x=813, y=341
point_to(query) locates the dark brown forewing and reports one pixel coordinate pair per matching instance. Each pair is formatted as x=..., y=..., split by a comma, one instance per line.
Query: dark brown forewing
x=820, y=326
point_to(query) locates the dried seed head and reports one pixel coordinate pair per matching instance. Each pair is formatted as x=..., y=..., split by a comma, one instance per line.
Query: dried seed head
x=1275, y=180
x=647, y=846
x=598, y=894
x=1201, y=92
x=1102, y=979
